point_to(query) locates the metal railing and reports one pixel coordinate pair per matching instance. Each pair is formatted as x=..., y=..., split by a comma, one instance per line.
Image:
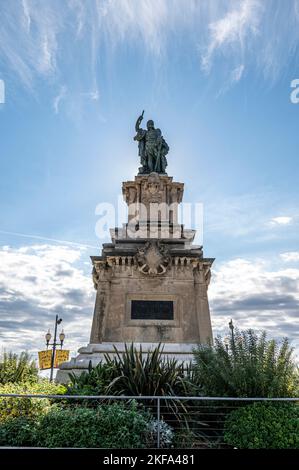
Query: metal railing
x=199, y=419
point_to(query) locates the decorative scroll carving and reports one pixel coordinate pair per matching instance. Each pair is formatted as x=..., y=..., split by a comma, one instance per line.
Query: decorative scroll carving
x=207, y=274
x=153, y=259
x=98, y=272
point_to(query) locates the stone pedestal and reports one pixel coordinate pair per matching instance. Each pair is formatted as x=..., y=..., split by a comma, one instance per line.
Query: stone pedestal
x=151, y=281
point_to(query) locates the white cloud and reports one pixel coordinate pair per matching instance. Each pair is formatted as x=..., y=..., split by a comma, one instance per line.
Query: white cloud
x=290, y=256
x=282, y=220
x=36, y=283
x=233, y=29
x=255, y=296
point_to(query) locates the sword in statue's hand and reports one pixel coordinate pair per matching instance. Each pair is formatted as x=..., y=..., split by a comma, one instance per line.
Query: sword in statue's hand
x=138, y=122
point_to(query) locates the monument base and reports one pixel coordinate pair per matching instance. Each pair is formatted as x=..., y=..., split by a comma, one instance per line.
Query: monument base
x=182, y=352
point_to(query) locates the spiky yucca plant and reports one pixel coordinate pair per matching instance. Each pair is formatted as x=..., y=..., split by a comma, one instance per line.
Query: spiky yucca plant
x=247, y=364
x=16, y=368
x=92, y=382
x=134, y=372
x=145, y=373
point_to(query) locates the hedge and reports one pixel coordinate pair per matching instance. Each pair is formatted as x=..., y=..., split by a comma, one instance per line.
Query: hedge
x=27, y=407
x=271, y=425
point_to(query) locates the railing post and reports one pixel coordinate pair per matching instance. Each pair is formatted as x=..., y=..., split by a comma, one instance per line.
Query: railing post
x=158, y=422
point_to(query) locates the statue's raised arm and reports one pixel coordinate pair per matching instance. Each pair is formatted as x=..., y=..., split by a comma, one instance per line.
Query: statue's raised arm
x=138, y=122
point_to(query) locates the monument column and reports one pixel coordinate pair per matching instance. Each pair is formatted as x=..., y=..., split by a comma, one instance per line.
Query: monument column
x=151, y=280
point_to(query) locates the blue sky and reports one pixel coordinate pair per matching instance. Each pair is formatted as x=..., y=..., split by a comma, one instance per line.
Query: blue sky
x=216, y=78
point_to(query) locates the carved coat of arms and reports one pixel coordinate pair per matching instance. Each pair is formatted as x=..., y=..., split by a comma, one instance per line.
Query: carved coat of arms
x=153, y=258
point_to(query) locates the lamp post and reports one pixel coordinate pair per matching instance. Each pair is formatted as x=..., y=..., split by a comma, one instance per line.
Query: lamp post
x=55, y=343
x=231, y=327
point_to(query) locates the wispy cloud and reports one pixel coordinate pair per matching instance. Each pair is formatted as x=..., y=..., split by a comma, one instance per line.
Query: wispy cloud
x=47, y=239
x=233, y=29
x=28, y=38
x=94, y=95
x=38, y=38
x=281, y=220
x=234, y=77
x=237, y=73
x=58, y=98
x=26, y=12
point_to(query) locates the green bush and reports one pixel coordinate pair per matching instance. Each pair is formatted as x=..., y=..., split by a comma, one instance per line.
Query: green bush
x=108, y=426
x=16, y=368
x=11, y=407
x=263, y=426
x=18, y=432
x=246, y=365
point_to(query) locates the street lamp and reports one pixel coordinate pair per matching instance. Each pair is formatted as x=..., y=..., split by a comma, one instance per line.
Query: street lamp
x=61, y=337
x=231, y=327
x=48, y=337
x=226, y=343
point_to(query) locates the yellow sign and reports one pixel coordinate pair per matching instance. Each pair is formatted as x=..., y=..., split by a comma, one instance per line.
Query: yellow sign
x=62, y=355
x=44, y=359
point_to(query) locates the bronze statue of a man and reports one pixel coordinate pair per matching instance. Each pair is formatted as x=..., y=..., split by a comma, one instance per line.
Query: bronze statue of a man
x=152, y=147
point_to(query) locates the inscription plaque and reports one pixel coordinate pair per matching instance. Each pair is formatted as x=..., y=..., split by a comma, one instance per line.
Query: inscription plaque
x=152, y=310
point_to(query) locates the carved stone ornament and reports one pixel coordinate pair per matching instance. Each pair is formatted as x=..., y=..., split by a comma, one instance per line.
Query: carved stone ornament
x=98, y=273
x=153, y=259
x=207, y=274
x=130, y=193
x=153, y=189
